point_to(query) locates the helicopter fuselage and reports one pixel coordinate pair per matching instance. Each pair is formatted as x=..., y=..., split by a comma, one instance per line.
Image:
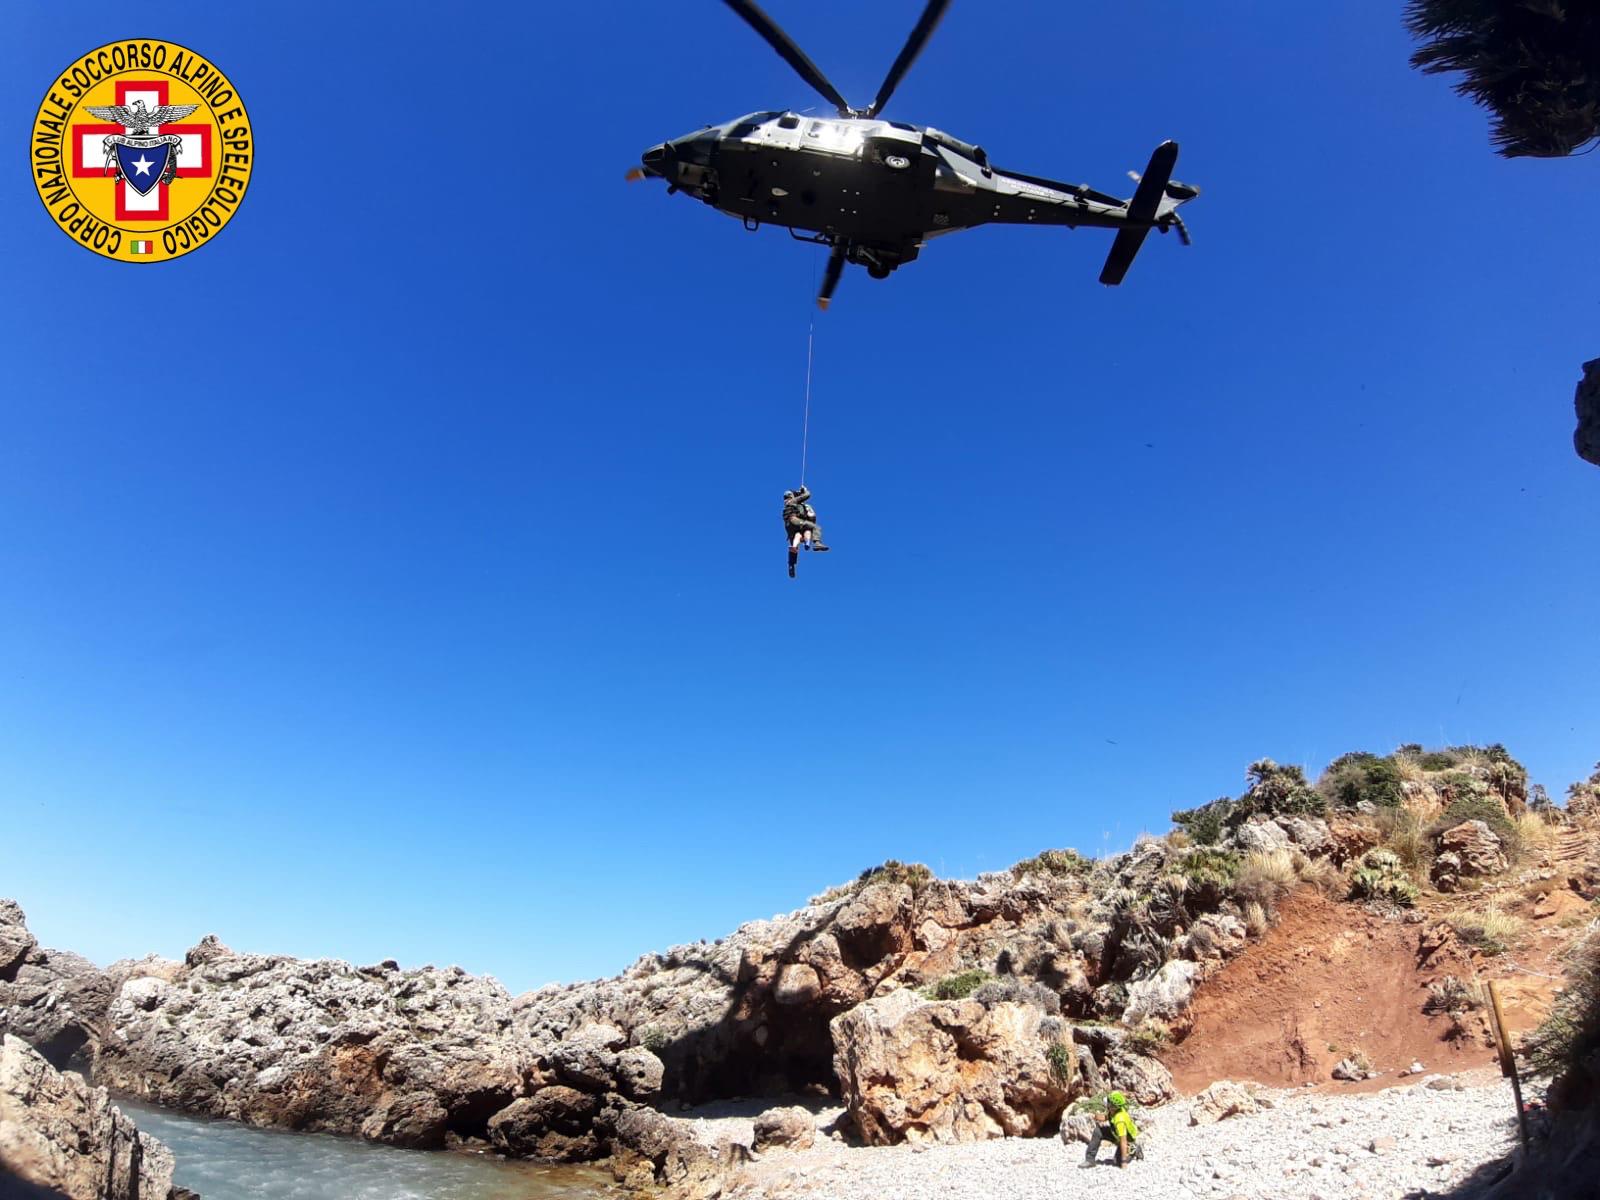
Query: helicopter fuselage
x=881, y=188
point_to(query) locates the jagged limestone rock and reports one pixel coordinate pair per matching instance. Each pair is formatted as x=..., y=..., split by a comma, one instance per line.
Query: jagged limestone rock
x=1145, y=1080
x=1164, y=995
x=555, y=1123
x=1476, y=846
x=917, y=1070
x=60, y=1134
x=1221, y=1100
x=791, y=1128
x=1586, y=438
x=1261, y=835
x=15, y=940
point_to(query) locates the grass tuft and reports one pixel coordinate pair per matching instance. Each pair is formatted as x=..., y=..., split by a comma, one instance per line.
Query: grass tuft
x=1265, y=877
x=1490, y=928
x=959, y=986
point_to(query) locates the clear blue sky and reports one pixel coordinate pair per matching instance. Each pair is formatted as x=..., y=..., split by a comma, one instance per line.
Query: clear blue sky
x=436, y=607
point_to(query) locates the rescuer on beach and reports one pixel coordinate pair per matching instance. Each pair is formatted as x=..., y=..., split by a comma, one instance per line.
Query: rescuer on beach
x=1119, y=1127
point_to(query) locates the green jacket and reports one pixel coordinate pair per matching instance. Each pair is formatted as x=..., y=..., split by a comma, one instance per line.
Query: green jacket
x=1122, y=1124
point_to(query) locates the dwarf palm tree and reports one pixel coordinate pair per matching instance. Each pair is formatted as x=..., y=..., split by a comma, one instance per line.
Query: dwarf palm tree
x=1534, y=64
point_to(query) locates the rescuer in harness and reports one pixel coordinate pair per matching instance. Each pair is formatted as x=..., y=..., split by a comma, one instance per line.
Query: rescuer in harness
x=1119, y=1127
x=800, y=524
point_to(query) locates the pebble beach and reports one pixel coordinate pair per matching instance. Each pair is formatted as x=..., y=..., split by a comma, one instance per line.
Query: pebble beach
x=1402, y=1141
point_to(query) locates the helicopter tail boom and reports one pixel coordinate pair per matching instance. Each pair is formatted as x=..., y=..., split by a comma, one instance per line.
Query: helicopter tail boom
x=1154, y=203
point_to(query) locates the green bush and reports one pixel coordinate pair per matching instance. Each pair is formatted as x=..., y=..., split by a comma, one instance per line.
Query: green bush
x=1470, y=801
x=959, y=986
x=1206, y=824
x=1062, y=1064
x=1276, y=789
x=1055, y=862
x=1208, y=869
x=1353, y=778
x=914, y=875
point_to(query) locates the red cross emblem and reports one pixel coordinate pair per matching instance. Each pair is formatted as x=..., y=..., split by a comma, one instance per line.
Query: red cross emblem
x=88, y=154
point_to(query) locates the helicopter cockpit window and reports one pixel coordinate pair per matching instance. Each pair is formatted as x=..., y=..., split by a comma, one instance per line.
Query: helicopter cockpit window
x=748, y=125
x=788, y=121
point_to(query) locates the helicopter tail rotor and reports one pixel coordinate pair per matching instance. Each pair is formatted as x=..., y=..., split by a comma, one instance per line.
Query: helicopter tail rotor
x=1153, y=206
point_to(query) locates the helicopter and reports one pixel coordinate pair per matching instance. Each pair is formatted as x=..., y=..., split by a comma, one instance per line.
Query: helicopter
x=876, y=191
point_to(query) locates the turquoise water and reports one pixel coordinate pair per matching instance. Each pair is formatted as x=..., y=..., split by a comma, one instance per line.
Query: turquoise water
x=223, y=1160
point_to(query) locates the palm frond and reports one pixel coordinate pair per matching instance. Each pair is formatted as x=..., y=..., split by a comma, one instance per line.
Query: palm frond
x=1534, y=64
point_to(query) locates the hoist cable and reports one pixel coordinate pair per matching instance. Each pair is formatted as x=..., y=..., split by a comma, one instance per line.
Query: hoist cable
x=805, y=423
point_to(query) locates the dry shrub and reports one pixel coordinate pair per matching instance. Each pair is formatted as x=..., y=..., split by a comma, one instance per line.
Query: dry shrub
x=913, y=875
x=1409, y=769
x=1490, y=928
x=1404, y=834
x=1265, y=877
x=1255, y=918
x=1321, y=874
x=1054, y=862
x=1149, y=1037
x=1451, y=995
x=1534, y=832
x=1567, y=1045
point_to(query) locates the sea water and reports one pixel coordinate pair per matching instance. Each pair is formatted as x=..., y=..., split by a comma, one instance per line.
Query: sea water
x=223, y=1160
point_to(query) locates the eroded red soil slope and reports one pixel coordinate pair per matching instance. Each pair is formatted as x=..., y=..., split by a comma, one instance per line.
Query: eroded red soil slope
x=1327, y=979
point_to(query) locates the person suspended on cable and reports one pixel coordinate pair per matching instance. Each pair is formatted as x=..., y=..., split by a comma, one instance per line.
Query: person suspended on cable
x=800, y=524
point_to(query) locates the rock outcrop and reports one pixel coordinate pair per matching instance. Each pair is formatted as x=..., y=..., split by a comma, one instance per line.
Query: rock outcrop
x=791, y=1128
x=405, y=1057
x=51, y=999
x=61, y=1137
x=651, y=1152
x=1220, y=1101
x=1067, y=970
x=1476, y=847
x=916, y=1070
x=429, y=1057
x=1586, y=438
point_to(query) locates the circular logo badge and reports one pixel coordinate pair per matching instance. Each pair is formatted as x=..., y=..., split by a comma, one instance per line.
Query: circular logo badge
x=142, y=150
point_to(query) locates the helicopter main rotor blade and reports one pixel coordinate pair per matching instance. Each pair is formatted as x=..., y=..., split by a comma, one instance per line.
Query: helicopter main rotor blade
x=920, y=34
x=830, y=276
x=789, y=52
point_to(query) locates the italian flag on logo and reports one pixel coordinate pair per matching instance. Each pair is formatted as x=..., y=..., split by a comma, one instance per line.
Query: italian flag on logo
x=141, y=247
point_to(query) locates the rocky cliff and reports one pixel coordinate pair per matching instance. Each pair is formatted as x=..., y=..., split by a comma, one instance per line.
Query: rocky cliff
x=61, y=1138
x=936, y=1010
x=1586, y=438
